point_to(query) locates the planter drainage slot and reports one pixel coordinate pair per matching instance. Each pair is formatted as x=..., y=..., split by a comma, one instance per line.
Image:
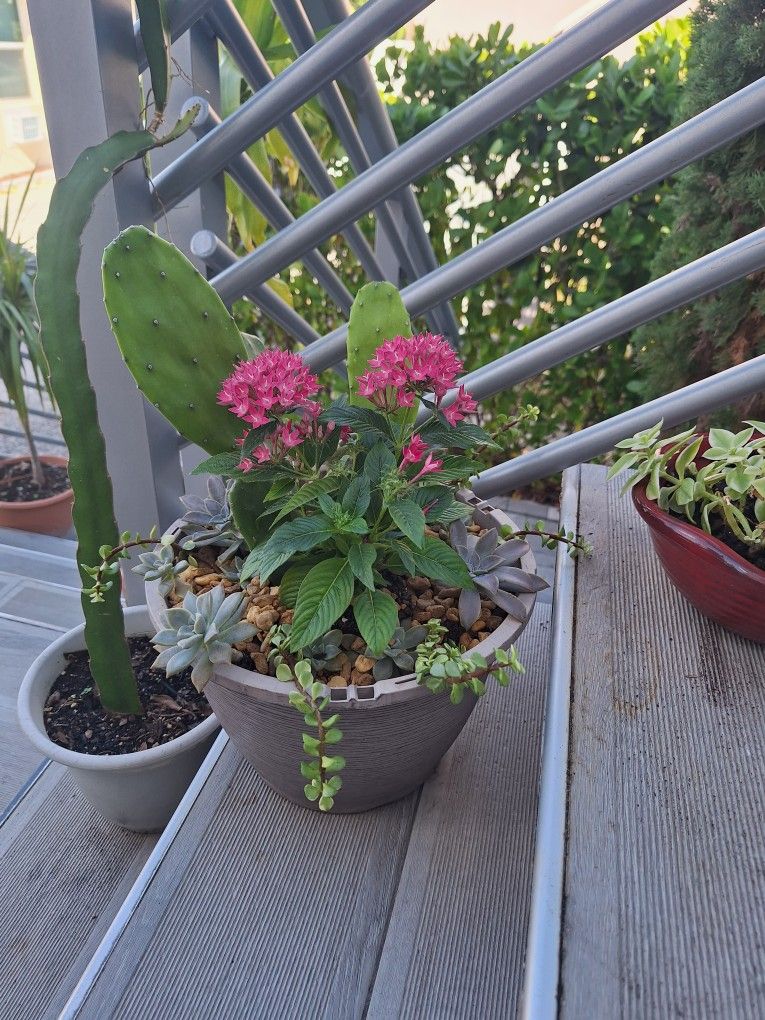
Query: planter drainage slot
x=338, y=694
x=365, y=693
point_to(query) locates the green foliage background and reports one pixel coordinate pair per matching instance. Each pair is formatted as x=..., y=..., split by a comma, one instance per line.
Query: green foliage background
x=717, y=200
x=597, y=117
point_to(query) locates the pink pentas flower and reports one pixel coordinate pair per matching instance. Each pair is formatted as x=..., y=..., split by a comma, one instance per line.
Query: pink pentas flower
x=405, y=367
x=262, y=454
x=273, y=383
x=430, y=465
x=413, y=451
x=462, y=404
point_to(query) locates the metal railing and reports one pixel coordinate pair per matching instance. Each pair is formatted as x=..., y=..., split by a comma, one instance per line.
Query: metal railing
x=384, y=172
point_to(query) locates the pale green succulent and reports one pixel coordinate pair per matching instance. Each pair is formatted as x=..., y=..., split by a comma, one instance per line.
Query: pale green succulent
x=208, y=520
x=397, y=657
x=158, y=564
x=492, y=567
x=201, y=633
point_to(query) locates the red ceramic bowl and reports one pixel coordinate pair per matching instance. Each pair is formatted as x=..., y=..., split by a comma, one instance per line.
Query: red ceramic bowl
x=709, y=574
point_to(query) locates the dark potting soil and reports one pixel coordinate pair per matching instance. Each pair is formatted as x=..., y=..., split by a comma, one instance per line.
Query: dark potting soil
x=17, y=485
x=74, y=718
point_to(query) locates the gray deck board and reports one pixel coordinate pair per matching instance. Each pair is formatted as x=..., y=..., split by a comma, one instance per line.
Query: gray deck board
x=457, y=935
x=20, y=643
x=664, y=911
x=37, y=604
x=63, y=874
x=261, y=909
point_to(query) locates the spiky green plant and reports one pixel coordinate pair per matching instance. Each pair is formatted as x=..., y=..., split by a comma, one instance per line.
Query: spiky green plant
x=58, y=306
x=18, y=325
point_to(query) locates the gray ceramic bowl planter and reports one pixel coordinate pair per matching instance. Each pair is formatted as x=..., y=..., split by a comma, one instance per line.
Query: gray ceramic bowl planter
x=138, y=791
x=394, y=732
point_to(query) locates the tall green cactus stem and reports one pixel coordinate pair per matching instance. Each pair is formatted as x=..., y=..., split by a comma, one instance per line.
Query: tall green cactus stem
x=155, y=35
x=175, y=334
x=58, y=306
x=377, y=314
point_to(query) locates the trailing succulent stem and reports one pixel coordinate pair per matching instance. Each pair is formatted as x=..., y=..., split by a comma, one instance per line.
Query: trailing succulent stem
x=58, y=305
x=322, y=767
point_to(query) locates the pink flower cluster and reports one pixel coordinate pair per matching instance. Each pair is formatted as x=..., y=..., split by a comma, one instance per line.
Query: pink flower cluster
x=404, y=368
x=273, y=384
x=413, y=453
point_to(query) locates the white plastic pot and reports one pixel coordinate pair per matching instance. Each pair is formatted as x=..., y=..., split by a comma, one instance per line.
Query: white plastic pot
x=138, y=791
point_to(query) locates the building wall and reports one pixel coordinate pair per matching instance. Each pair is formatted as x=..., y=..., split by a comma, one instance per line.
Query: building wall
x=23, y=135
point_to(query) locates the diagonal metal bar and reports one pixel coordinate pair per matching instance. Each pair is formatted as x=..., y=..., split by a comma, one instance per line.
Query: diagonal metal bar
x=514, y=90
x=674, y=408
x=301, y=33
x=211, y=250
x=380, y=140
x=363, y=30
x=257, y=189
x=690, y=282
x=229, y=27
x=710, y=130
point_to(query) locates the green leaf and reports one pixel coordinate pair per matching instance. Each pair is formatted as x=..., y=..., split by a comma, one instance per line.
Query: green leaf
x=376, y=617
x=333, y=736
x=295, y=536
x=459, y=437
x=218, y=464
x=307, y=494
x=311, y=745
x=378, y=462
x=362, y=420
x=311, y=792
x=333, y=763
x=454, y=468
x=356, y=497
x=440, y=562
x=290, y=583
x=409, y=519
x=324, y=595
x=361, y=557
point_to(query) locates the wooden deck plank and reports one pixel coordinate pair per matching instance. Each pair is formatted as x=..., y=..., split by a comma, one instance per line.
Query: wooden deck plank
x=63, y=874
x=664, y=913
x=20, y=643
x=250, y=881
x=260, y=908
x=457, y=936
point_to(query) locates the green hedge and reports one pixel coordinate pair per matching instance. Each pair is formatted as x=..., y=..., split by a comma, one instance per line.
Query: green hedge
x=717, y=200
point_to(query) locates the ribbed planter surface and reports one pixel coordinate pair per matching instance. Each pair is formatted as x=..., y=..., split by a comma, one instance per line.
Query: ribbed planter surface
x=394, y=732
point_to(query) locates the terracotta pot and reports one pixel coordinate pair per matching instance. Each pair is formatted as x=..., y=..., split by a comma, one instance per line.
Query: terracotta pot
x=394, y=732
x=713, y=577
x=51, y=516
x=138, y=791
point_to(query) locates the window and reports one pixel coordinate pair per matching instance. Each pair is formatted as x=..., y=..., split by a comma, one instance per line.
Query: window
x=13, y=73
x=10, y=27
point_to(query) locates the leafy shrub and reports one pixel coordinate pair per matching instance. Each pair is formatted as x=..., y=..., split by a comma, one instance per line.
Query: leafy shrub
x=715, y=201
x=595, y=118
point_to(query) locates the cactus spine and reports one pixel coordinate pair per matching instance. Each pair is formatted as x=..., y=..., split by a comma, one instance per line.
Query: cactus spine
x=377, y=314
x=175, y=334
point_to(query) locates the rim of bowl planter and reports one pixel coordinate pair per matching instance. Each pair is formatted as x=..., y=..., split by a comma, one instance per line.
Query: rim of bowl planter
x=27, y=504
x=137, y=624
x=668, y=524
x=270, y=689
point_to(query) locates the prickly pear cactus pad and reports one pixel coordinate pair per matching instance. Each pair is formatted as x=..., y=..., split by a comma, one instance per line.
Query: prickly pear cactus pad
x=175, y=334
x=377, y=314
